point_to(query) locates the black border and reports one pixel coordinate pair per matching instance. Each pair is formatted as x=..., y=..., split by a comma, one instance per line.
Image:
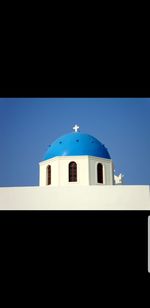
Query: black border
x=40, y=92
x=100, y=242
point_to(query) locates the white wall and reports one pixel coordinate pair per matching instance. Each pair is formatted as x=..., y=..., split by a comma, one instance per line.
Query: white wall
x=59, y=171
x=106, y=197
x=54, y=171
x=107, y=170
x=86, y=170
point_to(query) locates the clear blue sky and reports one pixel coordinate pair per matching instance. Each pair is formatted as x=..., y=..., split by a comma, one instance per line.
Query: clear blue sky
x=29, y=125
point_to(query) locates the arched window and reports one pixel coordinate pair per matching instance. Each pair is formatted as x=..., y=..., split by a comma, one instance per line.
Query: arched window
x=99, y=173
x=48, y=175
x=72, y=172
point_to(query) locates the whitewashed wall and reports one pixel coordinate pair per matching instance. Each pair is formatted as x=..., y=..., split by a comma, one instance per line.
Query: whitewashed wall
x=106, y=197
x=107, y=170
x=86, y=170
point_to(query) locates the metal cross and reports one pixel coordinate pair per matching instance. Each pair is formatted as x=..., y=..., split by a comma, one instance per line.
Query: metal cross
x=76, y=127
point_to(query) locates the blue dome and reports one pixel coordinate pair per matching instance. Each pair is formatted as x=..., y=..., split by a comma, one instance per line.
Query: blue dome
x=75, y=144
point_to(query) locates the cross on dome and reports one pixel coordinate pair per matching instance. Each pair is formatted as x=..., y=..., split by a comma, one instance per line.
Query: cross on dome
x=76, y=127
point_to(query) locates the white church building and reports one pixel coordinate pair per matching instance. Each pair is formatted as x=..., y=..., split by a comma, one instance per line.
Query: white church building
x=77, y=173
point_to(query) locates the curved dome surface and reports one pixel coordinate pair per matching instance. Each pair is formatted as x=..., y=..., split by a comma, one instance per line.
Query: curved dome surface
x=75, y=144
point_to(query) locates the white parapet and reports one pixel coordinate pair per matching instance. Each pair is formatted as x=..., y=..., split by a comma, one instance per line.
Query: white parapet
x=106, y=197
